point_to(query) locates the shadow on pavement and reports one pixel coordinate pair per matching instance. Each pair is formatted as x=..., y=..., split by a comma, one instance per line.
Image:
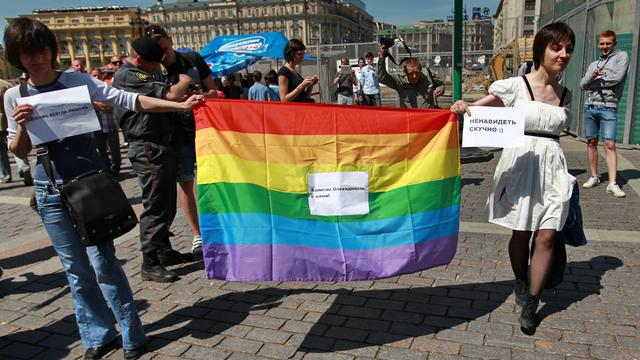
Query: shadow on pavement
x=355, y=319
x=28, y=258
x=362, y=318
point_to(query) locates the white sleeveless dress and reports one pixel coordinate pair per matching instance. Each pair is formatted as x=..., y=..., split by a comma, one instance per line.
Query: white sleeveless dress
x=531, y=184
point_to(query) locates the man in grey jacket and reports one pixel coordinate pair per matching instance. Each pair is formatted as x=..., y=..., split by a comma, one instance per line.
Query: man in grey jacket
x=603, y=83
x=414, y=89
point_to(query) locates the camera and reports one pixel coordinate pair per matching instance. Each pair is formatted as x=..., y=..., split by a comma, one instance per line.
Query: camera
x=387, y=42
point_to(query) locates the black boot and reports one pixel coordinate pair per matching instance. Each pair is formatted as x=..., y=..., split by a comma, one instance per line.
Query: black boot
x=521, y=289
x=527, y=318
x=158, y=274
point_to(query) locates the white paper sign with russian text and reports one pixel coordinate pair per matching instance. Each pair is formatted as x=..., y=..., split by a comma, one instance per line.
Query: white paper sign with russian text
x=339, y=193
x=60, y=114
x=493, y=127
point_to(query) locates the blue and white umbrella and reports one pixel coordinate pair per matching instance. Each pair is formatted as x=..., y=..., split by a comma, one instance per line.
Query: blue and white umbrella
x=222, y=64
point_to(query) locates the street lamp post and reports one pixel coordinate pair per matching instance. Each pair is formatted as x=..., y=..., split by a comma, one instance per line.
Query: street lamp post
x=137, y=24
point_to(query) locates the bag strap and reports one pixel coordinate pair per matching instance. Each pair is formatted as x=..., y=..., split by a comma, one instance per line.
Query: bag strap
x=433, y=84
x=42, y=153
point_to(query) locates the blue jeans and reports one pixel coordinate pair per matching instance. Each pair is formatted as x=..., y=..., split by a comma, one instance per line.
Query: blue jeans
x=600, y=121
x=372, y=100
x=94, y=317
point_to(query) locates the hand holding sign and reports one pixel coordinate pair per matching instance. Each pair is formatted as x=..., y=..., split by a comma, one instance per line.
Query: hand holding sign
x=60, y=114
x=493, y=127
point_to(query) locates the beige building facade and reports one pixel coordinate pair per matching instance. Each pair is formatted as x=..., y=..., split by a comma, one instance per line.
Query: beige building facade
x=192, y=23
x=91, y=33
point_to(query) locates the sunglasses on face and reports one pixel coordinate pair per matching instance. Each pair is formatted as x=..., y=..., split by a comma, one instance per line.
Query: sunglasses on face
x=156, y=30
x=606, y=43
x=116, y=62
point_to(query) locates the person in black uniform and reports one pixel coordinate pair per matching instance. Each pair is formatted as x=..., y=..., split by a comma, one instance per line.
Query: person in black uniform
x=184, y=136
x=151, y=155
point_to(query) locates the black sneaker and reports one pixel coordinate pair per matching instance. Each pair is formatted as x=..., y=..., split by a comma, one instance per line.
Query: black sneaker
x=26, y=177
x=135, y=353
x=100, y=351
x=158, y=274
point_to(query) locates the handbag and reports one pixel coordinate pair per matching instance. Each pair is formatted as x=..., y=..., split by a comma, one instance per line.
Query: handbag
x=573, y=233
x=95, y=202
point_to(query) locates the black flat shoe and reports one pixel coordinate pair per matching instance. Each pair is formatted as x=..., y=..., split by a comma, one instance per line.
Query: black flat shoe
x=135, y=353
x=100, y=351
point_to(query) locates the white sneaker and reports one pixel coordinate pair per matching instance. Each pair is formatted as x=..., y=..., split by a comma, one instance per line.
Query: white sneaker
x=196, y=247
x=593, y=181
x=614, y=189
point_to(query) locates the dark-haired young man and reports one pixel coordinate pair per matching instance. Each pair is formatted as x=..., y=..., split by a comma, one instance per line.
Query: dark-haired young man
x=184, y=137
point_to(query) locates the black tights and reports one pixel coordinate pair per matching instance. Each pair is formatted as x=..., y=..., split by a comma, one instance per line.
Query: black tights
x=540, y=262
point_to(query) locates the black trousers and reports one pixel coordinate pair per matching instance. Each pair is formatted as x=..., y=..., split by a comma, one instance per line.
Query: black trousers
x=110, y=157
x=155, y=166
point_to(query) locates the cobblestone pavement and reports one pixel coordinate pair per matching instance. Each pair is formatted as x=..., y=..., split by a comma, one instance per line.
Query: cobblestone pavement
x=462, y=310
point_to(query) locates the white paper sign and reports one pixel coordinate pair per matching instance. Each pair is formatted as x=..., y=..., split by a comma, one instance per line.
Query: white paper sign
x=60, y=114
x=339, y=193
x=493, y=127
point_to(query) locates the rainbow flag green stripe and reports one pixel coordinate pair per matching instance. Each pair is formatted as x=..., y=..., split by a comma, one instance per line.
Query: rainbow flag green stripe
x=251, y=198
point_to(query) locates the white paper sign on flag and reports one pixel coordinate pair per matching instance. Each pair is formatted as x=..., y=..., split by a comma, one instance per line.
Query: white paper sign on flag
x=493, y=127
x=339, y=193
x=60, y=114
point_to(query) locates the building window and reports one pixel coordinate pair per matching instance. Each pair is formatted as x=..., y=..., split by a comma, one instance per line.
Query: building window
x=529, y=20
x=530, y=5
x=64, y=47
x=90, y=20
x=75, y=21
x=119, y=18
x=106, y=46
x=59, y=21
x=78, y=48
x=104, y=19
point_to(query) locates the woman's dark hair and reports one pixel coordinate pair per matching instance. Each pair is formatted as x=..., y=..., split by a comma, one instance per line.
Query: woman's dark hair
x=550, y=34
x=290, y=50
x=271, y=77
x=28, y=36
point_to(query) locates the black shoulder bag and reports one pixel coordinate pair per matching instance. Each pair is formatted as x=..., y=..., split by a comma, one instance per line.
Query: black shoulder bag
x=95, y=202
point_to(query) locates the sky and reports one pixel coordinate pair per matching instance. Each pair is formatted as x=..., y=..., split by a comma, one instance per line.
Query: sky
x=396, y=12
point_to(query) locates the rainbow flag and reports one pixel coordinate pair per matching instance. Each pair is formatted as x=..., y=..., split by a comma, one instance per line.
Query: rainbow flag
x=305, y=192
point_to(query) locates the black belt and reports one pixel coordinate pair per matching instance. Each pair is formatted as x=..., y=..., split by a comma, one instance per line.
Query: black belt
x=548, y=136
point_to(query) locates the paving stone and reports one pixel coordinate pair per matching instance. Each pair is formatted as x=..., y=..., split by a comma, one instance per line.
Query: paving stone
x=268, y=335
x=435, y=346
x=394, y=354
x=204, y=353
x=485, y=352
x=327, y=356
x=263, y=321
x=232, y=344
x=465, y=337
x=277, y=351
x=168, y=347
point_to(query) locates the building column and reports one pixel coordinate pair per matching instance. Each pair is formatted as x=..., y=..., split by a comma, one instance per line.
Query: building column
x=87, y=55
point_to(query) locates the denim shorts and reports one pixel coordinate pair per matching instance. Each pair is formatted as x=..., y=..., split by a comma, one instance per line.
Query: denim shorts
x=600, y=121
x=185, y=160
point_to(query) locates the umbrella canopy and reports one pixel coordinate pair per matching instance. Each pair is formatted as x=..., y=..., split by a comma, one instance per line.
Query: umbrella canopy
x=226, y=64
x=265, y=45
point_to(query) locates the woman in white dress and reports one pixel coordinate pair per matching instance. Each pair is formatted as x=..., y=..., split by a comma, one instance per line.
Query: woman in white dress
x=532, y=185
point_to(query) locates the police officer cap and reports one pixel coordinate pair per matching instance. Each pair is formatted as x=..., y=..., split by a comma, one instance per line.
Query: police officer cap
x=148, y=49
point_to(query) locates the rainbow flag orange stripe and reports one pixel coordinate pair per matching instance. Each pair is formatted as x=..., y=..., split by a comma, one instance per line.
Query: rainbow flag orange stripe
x=255, y=196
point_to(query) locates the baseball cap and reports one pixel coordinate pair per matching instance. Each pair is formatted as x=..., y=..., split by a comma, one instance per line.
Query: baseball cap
x=148, y=49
